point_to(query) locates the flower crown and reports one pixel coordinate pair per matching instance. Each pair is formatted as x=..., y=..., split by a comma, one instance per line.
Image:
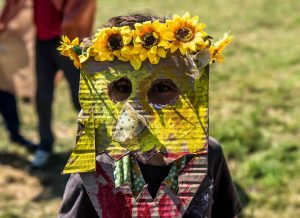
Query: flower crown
x=150, y=40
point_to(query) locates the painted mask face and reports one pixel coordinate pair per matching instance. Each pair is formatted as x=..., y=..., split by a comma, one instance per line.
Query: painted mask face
x=143, y=89
x=159, y=108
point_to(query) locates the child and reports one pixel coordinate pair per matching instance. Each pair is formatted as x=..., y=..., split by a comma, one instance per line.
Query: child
x=142, y=146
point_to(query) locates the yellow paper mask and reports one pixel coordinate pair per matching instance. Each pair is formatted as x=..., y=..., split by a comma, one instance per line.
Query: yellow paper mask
x=148, y=101
x=139, y=121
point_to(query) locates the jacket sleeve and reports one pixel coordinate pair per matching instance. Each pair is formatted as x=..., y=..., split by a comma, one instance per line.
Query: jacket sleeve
x=76, y=202
x=226, y=199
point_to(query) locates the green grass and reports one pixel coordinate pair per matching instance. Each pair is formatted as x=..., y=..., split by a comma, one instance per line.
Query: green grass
x=254, y=105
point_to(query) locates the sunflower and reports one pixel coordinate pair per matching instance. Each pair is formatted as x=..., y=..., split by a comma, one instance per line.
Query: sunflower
x=73, y=50
x=112, y=42
x=185, y=33
x=148, y=43
x=216, y=49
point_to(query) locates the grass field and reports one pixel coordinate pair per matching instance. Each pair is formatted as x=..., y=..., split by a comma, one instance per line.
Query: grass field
x=254, y=110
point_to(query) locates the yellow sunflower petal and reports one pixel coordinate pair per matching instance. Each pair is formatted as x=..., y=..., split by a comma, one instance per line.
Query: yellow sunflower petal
x=175, y=16
x=75, y=41
x=173, y=48
x=136, y=49
x=105, y=56
x=194, y=20
x=138, y=26
x=183, y=48
x=125, y=56
x=191, y=46
x=153, y=50
x=168, y=35
x=97, y=57
x=120, y=56
x=154, y=59
x=102, y=57
x=198, y=39
x=161, y=52
x=199, y=27
x=126, y=39
x=148, y=27
x=155, y=35
x=186, y=15
x=64, y=51
x=126, y=50
x=138, y=39
x=77, y=63
x=135, y=62
x=66, y=40
x=115, y=29
x=224, y=42
x=158, y=25
x=163, y=43
x=125, y=30
x=219, y=57
x=143, y=54
x=83, y=58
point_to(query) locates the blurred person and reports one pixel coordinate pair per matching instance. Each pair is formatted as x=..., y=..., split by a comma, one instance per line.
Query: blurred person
x=143, y=147
x=14, y=60
x=9, y=111
x=53, y=18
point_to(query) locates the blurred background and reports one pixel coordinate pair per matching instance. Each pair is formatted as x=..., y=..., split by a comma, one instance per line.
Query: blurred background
x=254, y=109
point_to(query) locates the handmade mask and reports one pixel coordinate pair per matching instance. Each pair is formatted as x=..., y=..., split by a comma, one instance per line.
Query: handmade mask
x=143, y=91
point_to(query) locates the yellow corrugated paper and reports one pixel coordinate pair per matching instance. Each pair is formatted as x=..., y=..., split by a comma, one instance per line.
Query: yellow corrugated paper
x=83, y=156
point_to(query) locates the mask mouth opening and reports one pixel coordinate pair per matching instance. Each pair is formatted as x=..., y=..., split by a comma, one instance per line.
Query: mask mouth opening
x=163, y=92
x=120, y=90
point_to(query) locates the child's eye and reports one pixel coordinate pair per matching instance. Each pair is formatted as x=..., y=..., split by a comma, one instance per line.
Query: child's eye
x=161, y=88
x=123, y=87
x=163, y=92
x=120, y=90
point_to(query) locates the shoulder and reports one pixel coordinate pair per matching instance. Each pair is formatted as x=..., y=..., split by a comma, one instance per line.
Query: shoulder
x=226, y=199
x=73, y=189
x=76, y=202
x=214, y=145
x=215, y=152
x=74, y=182
x=217, y=165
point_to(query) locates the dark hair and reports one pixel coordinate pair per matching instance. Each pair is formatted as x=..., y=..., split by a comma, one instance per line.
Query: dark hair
x=130, y=20
x=126, y=20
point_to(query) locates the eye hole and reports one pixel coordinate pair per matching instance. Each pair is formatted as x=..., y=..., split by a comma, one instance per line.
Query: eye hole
x=120, y=90
x=163, y=92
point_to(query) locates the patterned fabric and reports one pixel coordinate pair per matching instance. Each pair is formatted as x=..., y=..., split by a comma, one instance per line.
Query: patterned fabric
x=120, y=202
x=127, y=171
x=172, y=179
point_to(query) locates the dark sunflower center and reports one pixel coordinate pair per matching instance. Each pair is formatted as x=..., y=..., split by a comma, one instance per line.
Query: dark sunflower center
x=115, y=42
x=148, y=40
x=184, y=34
